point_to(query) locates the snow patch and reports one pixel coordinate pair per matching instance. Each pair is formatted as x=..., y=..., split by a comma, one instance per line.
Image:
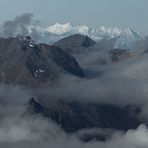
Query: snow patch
x=40, y=70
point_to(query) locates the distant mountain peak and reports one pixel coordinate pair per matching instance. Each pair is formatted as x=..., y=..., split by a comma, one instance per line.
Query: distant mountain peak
x=74, y=42
x=112, y=31
x=55, y=32
x=131, y=33
x=60, y=28
x=96, y=34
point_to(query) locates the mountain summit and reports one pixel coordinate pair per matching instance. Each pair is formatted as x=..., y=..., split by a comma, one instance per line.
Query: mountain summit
x=96, y=34
x=52, y=33
x=74, y=42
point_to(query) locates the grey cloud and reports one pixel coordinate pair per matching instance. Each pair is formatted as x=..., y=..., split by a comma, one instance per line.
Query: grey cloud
x=20, y=23
x=132, y=138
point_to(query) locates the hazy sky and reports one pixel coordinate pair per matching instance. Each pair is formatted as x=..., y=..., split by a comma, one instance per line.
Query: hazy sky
x=95, y=13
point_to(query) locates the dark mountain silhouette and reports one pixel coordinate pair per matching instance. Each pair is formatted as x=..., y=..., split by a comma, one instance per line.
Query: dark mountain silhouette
x=75, y=43
x=75, y=116
x=24, y=62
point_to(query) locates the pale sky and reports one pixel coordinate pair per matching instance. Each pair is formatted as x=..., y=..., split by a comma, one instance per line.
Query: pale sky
x=94, y=13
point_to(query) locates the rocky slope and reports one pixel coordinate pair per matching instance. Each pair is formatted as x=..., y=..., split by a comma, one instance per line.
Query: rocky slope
x=24, y=62
x=76, y=116
x=75, y=43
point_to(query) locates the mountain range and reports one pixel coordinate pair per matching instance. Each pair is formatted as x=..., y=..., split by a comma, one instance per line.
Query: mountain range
x=50, y=34
x=77, y=81
x=38, y=63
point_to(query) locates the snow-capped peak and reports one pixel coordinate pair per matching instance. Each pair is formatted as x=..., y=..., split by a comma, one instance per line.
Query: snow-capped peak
x=83, y=29
x=112, y=31
x=130, y=33
x=60, y=28
x=96, y=34
x=68, y=28
x=58, y=31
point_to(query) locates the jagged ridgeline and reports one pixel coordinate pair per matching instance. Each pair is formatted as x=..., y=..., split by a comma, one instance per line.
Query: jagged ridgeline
x=22, y=61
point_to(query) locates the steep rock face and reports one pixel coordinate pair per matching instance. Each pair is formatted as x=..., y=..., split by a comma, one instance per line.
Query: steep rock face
x=74, y=43
x=24, y=62
x=63, y=59
x=75, y=116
